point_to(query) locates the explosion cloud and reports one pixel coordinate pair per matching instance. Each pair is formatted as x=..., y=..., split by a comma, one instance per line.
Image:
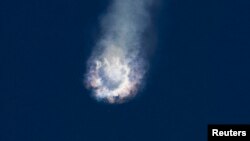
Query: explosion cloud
x=117, y=66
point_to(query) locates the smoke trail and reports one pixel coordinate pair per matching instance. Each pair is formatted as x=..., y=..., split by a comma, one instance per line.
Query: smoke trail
x=117, y=66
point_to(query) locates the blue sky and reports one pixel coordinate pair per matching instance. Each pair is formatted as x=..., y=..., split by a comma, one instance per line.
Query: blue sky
x=199, y=72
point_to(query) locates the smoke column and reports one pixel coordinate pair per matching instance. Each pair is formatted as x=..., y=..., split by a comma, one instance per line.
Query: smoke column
x=117, y=65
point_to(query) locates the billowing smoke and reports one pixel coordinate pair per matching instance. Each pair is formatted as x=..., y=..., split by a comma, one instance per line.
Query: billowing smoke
x=117, y=65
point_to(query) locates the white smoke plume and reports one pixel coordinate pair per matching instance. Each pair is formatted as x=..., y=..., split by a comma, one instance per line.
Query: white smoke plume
x=117, y=66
